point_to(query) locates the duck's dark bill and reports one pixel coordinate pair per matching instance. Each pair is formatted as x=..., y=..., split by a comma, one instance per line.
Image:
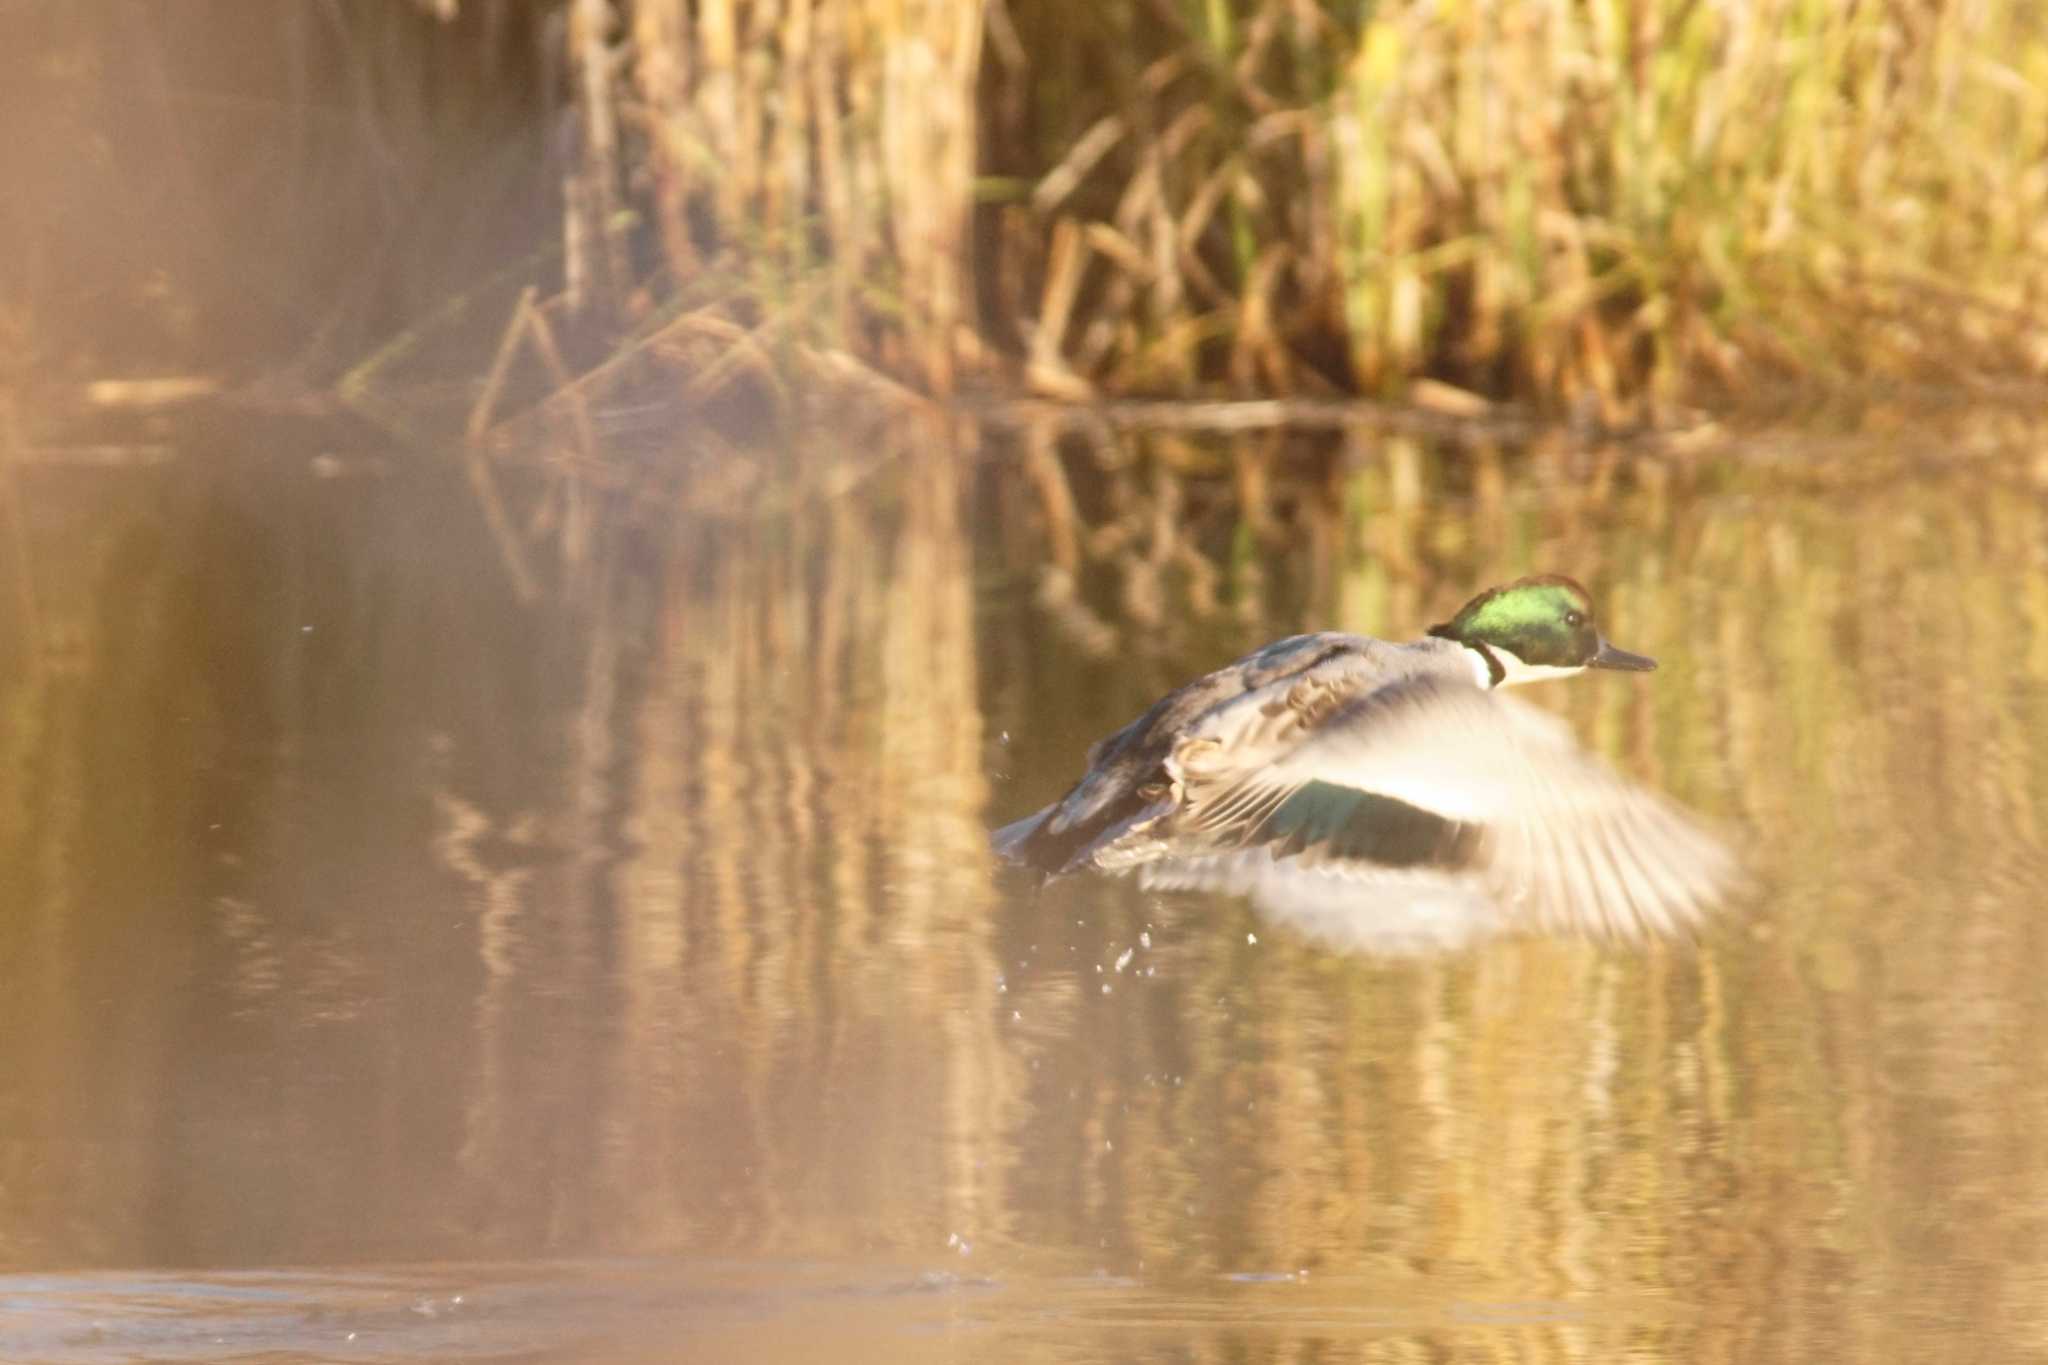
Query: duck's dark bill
x=1610, y=657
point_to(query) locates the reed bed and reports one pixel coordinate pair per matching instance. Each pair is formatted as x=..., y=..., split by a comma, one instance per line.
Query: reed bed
x=1595, y=202
x=1578, y=207
x=1604, y=209
x=827, y=142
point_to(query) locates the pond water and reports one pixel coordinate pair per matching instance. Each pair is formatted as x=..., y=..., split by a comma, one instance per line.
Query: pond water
x=396, y=970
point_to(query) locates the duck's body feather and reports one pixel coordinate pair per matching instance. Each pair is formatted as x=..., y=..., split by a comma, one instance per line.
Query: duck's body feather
x=1350, y=786
x=1090, y=826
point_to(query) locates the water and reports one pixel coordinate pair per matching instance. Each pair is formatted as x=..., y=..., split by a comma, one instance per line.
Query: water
x=630, y=964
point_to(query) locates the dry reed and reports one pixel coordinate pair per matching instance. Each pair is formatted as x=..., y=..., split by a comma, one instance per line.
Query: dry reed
x=832, y=138
x=1608, y=210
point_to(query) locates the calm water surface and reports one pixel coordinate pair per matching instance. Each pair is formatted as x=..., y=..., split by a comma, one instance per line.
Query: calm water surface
x=395, y=971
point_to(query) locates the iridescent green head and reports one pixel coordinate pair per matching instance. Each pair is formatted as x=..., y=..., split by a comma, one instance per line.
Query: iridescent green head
x=1534, y=628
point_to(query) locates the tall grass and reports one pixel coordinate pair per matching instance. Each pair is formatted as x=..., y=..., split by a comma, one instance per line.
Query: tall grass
x=1593, y=201
x=1596, y=206
x=826, y=141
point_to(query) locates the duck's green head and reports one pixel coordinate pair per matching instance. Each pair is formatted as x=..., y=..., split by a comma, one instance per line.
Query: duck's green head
x=1540, y=627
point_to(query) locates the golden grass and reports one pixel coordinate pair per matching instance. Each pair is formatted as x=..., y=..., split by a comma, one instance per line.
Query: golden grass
x=1602, y=208
x=830, y=139
x=1598, y=202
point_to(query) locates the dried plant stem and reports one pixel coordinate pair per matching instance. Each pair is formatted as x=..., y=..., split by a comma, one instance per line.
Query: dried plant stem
x=486, y=404
x=15, y=521
x=484, y=482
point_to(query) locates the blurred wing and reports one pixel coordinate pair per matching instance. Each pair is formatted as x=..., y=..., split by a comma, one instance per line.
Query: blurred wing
x=1348, y=907
x=1428, y=776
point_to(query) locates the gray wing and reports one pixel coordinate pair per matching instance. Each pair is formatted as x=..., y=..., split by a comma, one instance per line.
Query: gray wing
x=1103, y=822
x=1432, y=782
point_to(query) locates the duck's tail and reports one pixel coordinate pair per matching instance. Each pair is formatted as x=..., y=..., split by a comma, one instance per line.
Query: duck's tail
x=1112, y=839
x=1013, y=843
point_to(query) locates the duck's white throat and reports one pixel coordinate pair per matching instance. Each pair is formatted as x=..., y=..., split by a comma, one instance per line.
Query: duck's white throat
x=1513, y=672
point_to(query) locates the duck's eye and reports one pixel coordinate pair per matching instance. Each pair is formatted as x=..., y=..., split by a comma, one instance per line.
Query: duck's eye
x=1575, y=619
x=1152, y=791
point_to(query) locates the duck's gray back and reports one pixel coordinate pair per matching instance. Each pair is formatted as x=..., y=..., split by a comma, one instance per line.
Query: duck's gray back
x=1106, y=800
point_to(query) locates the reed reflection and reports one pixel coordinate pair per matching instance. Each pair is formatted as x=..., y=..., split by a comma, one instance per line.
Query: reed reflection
x=1854, y=680
x=662, y=920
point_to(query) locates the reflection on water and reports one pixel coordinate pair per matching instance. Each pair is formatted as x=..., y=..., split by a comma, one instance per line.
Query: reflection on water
x=352, y=911
x=560, y=1311
x=632, y=1311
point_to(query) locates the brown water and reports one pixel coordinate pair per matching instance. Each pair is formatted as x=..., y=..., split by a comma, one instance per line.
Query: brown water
x=397, y=972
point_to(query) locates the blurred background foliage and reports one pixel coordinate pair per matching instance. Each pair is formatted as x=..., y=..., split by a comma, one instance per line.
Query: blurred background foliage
x=1607, y=210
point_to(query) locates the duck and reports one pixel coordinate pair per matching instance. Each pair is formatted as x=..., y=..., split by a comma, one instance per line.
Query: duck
x=1388, y=797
